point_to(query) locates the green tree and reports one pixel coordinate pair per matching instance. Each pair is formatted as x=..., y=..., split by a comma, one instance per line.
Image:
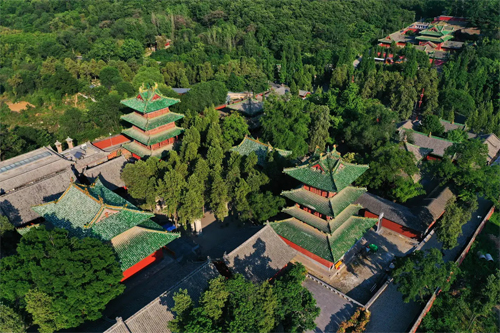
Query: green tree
x=234, y=128
x=170, y=189
x=456, y=214
x=419, y=274
x=109, y=76
x=11, y=321
x=320, y=126
x=147, y=76
x=457, y=135
x=464, y=165
x=219, y=196
x=193, y=201
x=263, y=206
x=5, y=225
x=238, y=305
x=432, y=124
x=141, y=179
x=390, y=173
x=285, y=124
x=131, y=48
x=60, y=281
x=297, y=308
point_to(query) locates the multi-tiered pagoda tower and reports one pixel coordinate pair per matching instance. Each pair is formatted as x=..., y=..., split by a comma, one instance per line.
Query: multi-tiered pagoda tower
x=153, y=125
x=324, y=224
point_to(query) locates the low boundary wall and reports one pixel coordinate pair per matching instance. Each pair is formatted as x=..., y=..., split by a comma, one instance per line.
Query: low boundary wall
x=327, y=286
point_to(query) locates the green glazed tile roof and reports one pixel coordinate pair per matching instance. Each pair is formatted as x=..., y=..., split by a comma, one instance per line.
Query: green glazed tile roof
x=435, y=39
x=331, y=248
x=302, y=215
x=305, y=236
x=98, y=190
x=149, y=140
x=261, y=149
x=345, y=197
x=309, y=199
x=118, y=223
x=328, y=206
x=346, y=214
x=80, y=206
x=148, y=124
x=442, y=30
x=149, y=101
x=140, y=241
x=141, y=151
x=351, y=231
x=334, y=176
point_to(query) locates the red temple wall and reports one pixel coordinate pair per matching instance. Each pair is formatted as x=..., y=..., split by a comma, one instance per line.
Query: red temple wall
x=311, y=211
x=153, y=257
x=394, y=226
x=163, y=143
x=161, y=128
x=311, y=255
x=156, y=113
x=314, y=190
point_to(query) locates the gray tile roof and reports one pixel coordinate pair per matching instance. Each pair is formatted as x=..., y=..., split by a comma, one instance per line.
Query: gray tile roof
x=261, y=256
x=434, y=205
x=154, y=317
x=110, y=173
x=493, y=143
x=453, y=44
x=417, y=151
x=416, y=218
x=437, y=145
x=16, y=205
x=30, y=167
x=392, y=211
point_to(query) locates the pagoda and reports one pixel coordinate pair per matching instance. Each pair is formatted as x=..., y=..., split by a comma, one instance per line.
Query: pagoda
x=96, y=211
x=153, y=128
x=324, y=225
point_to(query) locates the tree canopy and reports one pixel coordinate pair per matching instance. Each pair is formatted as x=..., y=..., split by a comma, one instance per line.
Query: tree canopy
x=60, y=281
x=238, y=305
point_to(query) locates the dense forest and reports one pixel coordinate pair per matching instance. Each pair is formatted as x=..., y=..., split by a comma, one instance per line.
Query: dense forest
x=53, y=52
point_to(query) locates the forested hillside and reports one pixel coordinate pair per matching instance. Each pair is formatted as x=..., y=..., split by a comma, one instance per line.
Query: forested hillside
x=52, y=51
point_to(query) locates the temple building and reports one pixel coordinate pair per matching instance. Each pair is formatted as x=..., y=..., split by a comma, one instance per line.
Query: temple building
x=96, y=211
x=324, y=225
x=153, y=128
x=261, y=149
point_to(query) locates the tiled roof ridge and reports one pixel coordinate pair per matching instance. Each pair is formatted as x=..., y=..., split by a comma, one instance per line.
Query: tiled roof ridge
x=345, y=210
x=36, y=181
x=56, y=200
x=344, y=225
x=262, y=230
x=293, y=190
x=163, y=232
x=302, y=222
x=432, y=136
x=453, y=123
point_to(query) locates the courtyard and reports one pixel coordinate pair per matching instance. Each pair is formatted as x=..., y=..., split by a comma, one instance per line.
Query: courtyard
x=366, y=273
